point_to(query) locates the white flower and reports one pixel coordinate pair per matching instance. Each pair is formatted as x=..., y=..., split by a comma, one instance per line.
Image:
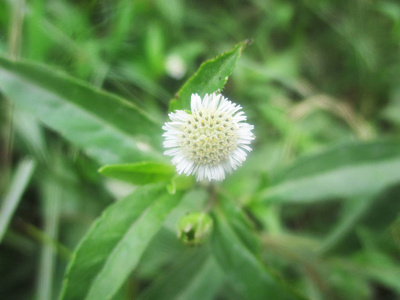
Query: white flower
x=209, y=141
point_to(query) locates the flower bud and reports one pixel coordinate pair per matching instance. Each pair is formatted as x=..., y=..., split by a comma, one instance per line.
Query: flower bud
x=195, y=228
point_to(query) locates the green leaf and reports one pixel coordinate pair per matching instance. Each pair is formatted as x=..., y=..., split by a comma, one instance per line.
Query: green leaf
x=240, y=224
x=112, y=248
x=52, y=190
x=18, y=185
x=380, y=267
x=205, y=283
x=353, y=212
x=374, y=265
x=243, y=267
x=140, y=173
x=106, y=127
x=211, y=76
x=344, y=171
x=375, y=212
x=195, y=275
x=180, y=183
x=30, y=133
x=36, y=41
x=162, y=250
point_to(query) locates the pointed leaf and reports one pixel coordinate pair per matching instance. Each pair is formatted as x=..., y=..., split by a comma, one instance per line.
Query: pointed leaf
x=243, y=267
x=112, y=248
x=376, y=212
x=344, y=171
x=211, y=76
x=11, y=200
x=140, y=173
x=195, y=275
x=108, y=128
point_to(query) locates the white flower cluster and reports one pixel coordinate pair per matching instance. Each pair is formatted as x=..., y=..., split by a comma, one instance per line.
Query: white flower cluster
x=209, y=141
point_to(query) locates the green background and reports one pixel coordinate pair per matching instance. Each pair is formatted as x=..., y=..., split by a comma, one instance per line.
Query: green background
x=314, y=211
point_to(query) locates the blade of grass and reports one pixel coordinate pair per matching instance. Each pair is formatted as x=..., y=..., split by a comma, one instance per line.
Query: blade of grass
x=51, y=207
x=19, y=182
x=347, y=224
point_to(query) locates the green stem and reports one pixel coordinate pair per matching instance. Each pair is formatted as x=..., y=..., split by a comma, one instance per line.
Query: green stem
x=39, y=236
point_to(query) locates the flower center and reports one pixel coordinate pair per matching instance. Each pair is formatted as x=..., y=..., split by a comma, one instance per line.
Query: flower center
x=208, y=137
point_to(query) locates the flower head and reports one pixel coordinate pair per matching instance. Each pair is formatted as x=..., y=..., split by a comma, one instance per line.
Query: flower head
x=210, y=140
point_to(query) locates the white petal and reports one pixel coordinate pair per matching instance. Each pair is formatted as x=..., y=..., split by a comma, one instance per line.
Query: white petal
x=200, y=173
x=241, y=153
x=245, y=147
x=172, y=152
x=189, y=168
x=181, y=166
x=221, y=172
x=195, y=103
x=214, y=103
x=227, y=167
x=171, y=143
x=178, y=158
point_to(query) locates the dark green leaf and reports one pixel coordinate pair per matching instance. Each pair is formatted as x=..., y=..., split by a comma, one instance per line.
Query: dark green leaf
x=344, y=171
x=140, y=173
x=376, y=212
x=211, y=76
x=162, y=250
x=20, y=180
x=374, y=265
x=195, y=275
x=381, y=268
x=243, y=267
x=240, y=224
x=108, y=128
x=115, y=243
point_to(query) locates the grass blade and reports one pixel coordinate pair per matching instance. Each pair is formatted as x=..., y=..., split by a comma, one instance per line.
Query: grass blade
x=51, y=205
x=19, y=183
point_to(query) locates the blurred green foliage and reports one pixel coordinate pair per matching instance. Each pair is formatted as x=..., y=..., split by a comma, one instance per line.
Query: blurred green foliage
x=320, y=79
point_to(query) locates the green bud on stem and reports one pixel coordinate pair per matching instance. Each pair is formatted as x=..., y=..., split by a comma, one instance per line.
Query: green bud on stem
x=195, y=228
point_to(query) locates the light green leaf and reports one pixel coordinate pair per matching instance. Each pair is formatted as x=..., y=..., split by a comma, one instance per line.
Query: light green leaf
x=30, y=133
x=180, y=183
x=106, y=127
x=140, y=173
x=344, y=171
x=52, y=198
x=211, y=76
x=243, y=267
x=115, y=243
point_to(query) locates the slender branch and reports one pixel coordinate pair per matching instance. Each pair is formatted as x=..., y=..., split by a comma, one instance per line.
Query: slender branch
x=42, y=238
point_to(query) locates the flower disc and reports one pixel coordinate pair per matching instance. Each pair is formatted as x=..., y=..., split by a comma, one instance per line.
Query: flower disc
x=210, y=140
